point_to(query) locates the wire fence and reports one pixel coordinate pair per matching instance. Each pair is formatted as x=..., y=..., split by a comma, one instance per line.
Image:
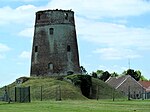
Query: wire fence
x=40, y=93
x=58, y=92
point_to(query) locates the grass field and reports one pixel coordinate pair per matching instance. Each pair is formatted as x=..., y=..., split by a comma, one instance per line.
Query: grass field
x=78, y=106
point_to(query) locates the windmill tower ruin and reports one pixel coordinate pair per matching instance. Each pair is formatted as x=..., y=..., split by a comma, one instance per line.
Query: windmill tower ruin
x=55, y=49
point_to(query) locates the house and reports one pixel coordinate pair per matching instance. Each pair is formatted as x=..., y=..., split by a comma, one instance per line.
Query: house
x=127, y=85
x=146, y=85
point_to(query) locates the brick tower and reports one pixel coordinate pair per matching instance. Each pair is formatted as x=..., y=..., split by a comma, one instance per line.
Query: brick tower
x=55, y=49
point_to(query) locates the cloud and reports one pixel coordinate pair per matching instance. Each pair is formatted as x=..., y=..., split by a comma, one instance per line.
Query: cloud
x=23, y=0
x=28, y=32
x=116, y=53
x=114, y=68
x=91, y=9
x=110, y=34
x=29, y=0
x=4, y=48
x=25, y=55
x=21, y=15
x=103, y=8
x=117, y=37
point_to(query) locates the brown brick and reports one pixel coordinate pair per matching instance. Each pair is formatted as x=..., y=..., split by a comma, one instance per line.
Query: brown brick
x=55, y=49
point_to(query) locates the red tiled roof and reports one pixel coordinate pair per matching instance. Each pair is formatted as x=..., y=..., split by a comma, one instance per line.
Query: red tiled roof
x=145, y=84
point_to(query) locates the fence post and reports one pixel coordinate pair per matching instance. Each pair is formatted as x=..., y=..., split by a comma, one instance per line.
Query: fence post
x=58, y=93
x=20, y=90
x=15, y=94
x=6, y=97
x=41, y=93
x=113, y=94
x=8, y=89
x=97, y=92
x=29, y=94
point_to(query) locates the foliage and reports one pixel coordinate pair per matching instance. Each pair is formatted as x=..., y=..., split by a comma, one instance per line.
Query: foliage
x=82, y=81
x=135, y=74
x=102, y=90
x=83, y=70
x=114, y=74
x=105, y=75
x=99, y=73
x=124, y=72
x=142, y=78
x=94, y=74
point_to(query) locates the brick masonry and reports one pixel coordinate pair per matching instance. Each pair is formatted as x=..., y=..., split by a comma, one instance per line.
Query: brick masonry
x=55, y=49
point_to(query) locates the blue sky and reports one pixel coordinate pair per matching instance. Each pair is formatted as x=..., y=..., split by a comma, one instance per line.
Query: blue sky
x=110, y=32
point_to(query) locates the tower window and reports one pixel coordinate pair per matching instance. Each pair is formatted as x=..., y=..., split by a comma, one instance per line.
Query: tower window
x=36, y=48
x=66, y=15
x=50, y=66
x=68, y=48
x=51, y=31
x=38, y=16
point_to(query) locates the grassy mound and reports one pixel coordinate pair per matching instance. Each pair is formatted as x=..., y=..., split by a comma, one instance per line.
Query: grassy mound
x=48, y=89
x=102, y=90
x=53, y=88
x=94, y=88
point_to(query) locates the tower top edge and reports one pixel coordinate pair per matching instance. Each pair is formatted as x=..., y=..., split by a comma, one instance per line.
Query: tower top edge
x=55, y=10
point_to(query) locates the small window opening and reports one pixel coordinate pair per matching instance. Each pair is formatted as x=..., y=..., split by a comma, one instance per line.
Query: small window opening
x=66, y=15
x=36, y=48
x=38, y=16
x=51, y=31
x=50, y=66
x=68, y=48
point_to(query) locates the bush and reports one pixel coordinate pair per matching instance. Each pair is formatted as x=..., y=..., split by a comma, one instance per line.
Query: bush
x=82, y=81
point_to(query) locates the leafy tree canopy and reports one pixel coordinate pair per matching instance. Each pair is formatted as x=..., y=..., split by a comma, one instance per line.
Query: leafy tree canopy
x=99, y=72
x=105, y=75
x=83, y=70
x=94, y=74
x=114, y=74
x=135, y=74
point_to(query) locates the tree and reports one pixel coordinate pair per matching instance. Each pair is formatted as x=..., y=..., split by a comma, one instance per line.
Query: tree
x=143, y=78
x=94, y=74
x=114, y=74
x=83, y=71
x=105, y=75
x=99, y=72
x=135, y=74
x=124, y=72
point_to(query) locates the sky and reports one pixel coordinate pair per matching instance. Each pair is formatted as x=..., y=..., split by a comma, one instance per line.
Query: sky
x=109, y=34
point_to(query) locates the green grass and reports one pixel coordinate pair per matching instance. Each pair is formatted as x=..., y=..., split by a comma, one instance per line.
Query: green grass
x=68, y=90
x=78, y=106
x=104, y=90
x=49, y=88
